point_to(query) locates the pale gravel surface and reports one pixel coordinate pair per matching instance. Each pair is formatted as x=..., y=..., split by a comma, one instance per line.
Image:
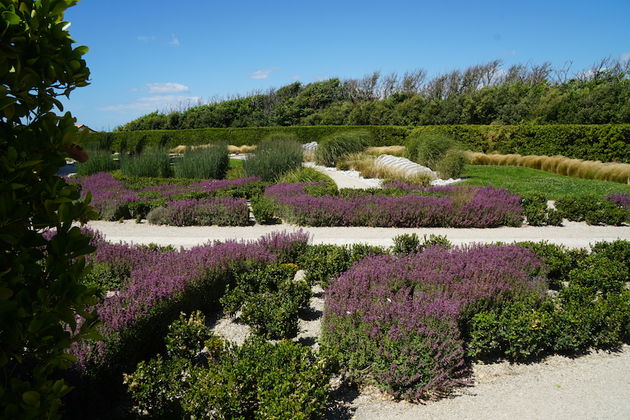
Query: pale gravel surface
x=595, y=386
x=572, y=234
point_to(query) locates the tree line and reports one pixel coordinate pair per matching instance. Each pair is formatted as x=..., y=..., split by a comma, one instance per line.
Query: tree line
x=480, y=94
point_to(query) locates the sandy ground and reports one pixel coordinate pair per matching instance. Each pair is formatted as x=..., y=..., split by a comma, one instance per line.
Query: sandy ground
x=572, y=234
x=595, y=386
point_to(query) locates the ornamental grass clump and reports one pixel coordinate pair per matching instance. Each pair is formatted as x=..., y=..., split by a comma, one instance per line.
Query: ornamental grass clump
x=206, y=212
x=274, y=157
x=395, y=321
x=203, y=163
x=154, y=162
x=99, y=161
x=333, y=148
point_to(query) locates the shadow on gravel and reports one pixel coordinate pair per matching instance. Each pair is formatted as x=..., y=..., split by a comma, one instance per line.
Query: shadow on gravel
x=341, y=398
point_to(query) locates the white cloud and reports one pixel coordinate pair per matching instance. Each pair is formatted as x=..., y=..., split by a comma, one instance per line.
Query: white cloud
x=296, y=77
x=168, y=87
x=174, y=41
x=263, y=73
x=145, y=38
x=154, y=103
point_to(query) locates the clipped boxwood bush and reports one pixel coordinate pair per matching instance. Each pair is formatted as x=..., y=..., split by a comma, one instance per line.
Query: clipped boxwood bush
x=204, y=377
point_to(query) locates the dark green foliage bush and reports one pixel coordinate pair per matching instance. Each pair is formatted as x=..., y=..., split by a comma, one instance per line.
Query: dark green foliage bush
x=452, y=164
x=407, y=243
x=325, y=262
x=618, y=250
x=606, y=213
x=559, y=260
x=40, y=291
x=537, y=213
x=264, y=210
x=203, y=163
x=213, y=379
x=592, y=309
x=273, y=158
x=103, y=278
x=333, y=148
x=518, y=331
x=269, y=299
x=592, y=210
x=99, y=161
x=151, y=162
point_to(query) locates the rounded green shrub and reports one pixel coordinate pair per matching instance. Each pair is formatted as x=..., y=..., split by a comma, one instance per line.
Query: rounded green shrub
x=332, y=148
x=452, y=164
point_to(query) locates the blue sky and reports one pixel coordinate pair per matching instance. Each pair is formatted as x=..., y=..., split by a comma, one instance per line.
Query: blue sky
x=148, y=55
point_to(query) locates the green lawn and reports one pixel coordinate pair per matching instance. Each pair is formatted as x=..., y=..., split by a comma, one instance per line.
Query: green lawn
x=525, y=180
x=235, y=170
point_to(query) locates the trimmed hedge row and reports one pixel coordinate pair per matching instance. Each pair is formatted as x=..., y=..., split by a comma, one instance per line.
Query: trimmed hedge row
x=382, y=135
x=594, y=142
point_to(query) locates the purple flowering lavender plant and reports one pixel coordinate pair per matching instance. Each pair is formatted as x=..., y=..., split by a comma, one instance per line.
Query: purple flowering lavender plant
x=395, y=320
x=205, y=212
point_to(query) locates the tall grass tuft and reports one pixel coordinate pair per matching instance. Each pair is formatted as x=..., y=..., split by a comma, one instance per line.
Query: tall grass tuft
x=578, y=168
x=365, y=165
x=274, y=157
x=333, y=148
x=386, y=150
x=99, y=161
x=306, y=175
x=151, y=162
x=203, y=163
x=429, y=149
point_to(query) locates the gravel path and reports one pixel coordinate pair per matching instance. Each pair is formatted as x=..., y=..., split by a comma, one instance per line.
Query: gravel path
x=595, y=386
x=573, y=234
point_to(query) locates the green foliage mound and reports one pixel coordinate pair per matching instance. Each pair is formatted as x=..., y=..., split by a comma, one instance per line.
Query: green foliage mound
x=204, y=377
x=333, y=148
x=203, y=163
x=274, y=157
x=40, y=291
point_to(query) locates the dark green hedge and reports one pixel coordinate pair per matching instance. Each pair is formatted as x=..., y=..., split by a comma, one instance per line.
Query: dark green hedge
x=383, y=135
x=593, y=142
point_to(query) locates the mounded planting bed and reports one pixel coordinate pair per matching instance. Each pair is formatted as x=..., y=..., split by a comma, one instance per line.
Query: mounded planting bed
x=408, y=319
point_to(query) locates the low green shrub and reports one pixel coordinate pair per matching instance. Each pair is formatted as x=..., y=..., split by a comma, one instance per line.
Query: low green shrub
x=618, y=250
x=407, y=243
x=537, y=213
x=325, y=262
x=151, y=162
x=558, y=259
x=99, y=161
x=203, y=163
x=591, y=310
x=264, y=210
x=103, y=277
x=269, y=299
x=204, y=377
x=274, y=157
x=592, y=210
x=333, y=148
